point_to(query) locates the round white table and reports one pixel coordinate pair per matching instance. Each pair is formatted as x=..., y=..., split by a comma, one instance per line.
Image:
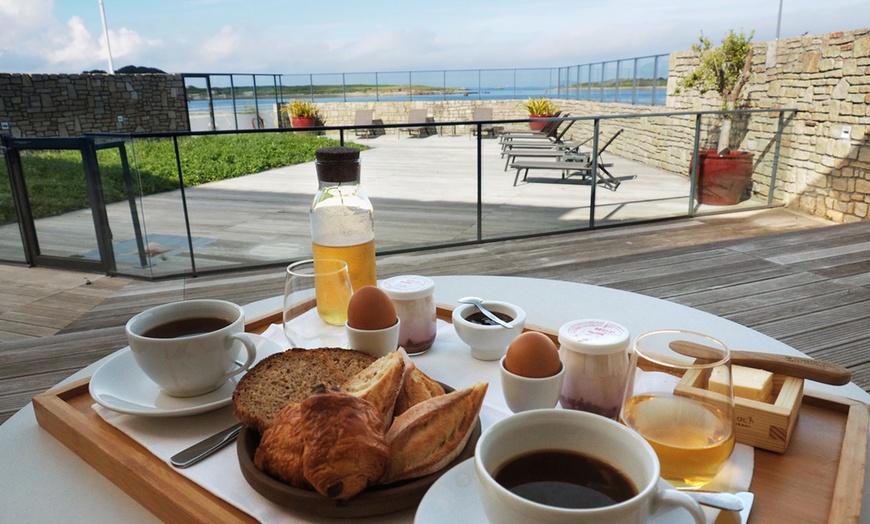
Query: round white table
x=43, y=481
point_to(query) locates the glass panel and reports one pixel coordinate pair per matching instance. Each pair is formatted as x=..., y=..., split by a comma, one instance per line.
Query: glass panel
x=59, y=202
x=11, y=246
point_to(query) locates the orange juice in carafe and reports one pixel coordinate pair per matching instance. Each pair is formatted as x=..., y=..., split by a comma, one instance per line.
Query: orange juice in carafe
x=342, y=217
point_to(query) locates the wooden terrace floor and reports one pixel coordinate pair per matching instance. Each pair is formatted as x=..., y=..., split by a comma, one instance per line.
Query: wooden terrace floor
x=796, y=278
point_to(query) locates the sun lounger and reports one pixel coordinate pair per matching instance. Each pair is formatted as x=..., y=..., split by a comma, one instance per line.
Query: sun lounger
x=537, y=142
x=416, y=116
x=549, y=129
x=573, y=166
x=512, y=154
x=364, y=117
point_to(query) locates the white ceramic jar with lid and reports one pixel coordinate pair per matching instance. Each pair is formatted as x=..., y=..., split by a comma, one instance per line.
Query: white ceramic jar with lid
x=415, y=307
x=595, y=355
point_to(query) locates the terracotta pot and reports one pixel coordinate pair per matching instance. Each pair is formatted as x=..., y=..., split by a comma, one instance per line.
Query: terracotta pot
x=723, y=180
x=538, y=125
x=303, y=121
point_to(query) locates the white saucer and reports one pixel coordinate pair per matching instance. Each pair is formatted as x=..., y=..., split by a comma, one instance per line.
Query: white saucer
x=120, y=385
x=455, y=498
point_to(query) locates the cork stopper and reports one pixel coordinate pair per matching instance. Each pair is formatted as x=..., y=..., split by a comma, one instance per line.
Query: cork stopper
x=337, y=164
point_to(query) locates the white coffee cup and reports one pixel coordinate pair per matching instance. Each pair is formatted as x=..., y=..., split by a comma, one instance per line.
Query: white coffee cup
x=193, y=364
x=578, y=432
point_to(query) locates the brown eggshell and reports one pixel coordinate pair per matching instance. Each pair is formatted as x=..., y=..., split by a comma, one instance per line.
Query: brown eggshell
x=533, y=355
x=370, y=308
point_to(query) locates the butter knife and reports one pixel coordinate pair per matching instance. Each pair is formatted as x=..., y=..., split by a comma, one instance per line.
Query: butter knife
x=202, y=449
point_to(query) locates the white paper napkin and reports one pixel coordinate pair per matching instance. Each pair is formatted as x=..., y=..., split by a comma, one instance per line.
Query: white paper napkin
x=449, y=361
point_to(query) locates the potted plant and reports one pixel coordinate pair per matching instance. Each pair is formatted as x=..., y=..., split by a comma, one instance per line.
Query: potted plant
x=724, y=175
x=301, y=113
x=539, y=108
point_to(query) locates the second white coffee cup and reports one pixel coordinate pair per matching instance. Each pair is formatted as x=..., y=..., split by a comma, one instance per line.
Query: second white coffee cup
x=548, y=430
x=190, y=347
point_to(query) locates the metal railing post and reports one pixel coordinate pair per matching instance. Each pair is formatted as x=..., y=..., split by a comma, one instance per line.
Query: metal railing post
x=693, y=178
x=775, y=168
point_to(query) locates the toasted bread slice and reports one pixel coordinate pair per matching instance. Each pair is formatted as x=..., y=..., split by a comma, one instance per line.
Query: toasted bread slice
x=416, y=388
x=431, y=434
x=287, y=377
x=380, y=383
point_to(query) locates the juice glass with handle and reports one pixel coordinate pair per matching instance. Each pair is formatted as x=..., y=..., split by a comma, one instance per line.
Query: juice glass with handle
x=682, y=406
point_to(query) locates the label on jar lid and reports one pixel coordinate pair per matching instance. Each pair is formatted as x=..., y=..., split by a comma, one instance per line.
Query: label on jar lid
x=408, y=287
x=592, y=336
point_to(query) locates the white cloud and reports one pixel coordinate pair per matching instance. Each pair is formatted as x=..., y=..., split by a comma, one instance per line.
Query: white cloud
x=76, y=47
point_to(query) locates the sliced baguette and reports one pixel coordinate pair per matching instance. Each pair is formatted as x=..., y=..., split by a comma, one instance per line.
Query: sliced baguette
x=431, y=434
x=380, y=383
x=416, y=388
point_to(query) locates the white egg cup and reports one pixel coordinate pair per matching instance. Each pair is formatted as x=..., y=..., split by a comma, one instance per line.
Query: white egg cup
x=488, y=342
x=525, y=394
x=375, y=342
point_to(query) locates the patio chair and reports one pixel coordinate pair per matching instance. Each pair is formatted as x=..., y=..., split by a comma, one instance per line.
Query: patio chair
x=364, y=117
x=570, y=166
x=482, y=114
x=416, y=116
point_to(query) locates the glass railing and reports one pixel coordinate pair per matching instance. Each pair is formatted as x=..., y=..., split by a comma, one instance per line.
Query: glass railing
x=194, y=203
x=246, y=98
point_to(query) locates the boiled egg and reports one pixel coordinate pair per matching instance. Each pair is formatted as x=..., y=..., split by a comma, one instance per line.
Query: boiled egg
x=533, y=355
x=369, y=309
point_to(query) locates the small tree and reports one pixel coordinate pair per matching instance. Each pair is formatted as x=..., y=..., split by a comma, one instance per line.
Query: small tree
x=724, y=69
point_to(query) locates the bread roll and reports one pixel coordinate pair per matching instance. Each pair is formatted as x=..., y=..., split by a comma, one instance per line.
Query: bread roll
x=432, y=433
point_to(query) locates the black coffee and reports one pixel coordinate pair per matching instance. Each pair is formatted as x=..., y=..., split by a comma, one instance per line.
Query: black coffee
x=187, y=327
x=480, y=318
x=565, y=479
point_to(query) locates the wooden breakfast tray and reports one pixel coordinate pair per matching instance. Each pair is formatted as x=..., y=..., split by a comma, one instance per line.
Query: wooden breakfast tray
x=819, y=478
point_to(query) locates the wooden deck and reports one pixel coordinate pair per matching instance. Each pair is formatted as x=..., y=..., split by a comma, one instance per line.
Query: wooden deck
x=795, y=278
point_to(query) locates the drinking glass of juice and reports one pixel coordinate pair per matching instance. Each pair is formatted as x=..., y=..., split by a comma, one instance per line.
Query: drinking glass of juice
x=324, y=283
x=683, y=406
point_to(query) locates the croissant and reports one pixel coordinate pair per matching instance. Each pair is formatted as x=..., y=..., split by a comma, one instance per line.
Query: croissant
x=345, y=448
x=280, y=451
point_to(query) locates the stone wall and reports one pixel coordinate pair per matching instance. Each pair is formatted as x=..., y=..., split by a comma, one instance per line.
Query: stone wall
x=826, y=78
x=68, y=105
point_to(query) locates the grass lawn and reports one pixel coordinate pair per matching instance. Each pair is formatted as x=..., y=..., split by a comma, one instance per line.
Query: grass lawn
x=56, y=183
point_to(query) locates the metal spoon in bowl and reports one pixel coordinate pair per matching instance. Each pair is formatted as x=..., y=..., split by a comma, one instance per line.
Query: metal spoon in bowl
x=479, y=303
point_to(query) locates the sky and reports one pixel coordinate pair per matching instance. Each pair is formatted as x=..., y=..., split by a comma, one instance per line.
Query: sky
x=333, y=36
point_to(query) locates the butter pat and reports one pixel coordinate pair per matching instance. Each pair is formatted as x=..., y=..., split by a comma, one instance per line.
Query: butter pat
x=750, y=383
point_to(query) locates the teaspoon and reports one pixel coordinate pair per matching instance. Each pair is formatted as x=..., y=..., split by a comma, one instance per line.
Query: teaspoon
x=479, y=303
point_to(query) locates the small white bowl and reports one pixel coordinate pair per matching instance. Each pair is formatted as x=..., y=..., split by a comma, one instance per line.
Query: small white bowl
x=525, y=394
x=488, y=342
x=375, y=342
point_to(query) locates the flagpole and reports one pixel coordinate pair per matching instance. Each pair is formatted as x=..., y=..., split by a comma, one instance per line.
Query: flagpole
x=106, y=32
